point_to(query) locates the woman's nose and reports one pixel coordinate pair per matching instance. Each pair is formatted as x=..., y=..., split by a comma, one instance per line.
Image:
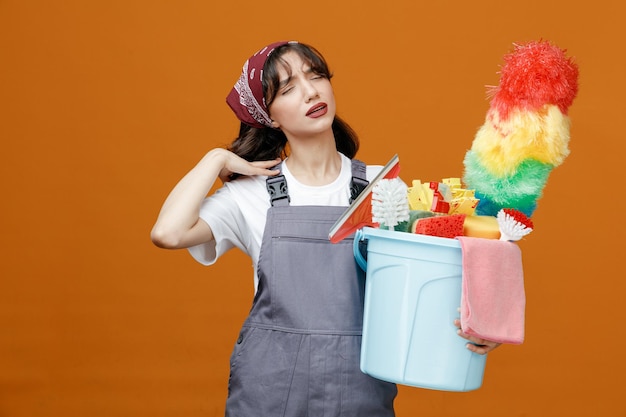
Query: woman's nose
x=310, y=92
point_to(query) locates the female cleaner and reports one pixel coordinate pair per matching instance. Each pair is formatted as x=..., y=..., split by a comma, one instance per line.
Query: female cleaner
x=298, y=350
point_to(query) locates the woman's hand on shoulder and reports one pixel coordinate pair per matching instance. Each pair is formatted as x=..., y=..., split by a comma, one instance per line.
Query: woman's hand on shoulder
x=179, y=225
x=231, y=163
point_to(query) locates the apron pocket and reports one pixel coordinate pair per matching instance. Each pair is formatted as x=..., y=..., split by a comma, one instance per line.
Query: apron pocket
x=262, y=369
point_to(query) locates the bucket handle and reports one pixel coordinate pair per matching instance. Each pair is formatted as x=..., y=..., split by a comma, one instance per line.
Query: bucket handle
x=356, y=248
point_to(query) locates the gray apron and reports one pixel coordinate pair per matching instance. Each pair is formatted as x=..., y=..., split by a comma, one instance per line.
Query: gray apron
x=298, y=351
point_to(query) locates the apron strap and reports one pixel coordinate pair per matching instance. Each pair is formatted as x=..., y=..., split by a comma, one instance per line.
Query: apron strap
x=359, y=179
x=277, y=188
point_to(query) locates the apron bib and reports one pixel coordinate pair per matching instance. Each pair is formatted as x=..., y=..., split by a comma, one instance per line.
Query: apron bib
x=298, y=351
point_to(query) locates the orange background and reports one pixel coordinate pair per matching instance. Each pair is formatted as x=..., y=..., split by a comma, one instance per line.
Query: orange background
x=106, y=104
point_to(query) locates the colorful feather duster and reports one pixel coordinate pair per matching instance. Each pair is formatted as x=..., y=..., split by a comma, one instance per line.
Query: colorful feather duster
x=526, y=130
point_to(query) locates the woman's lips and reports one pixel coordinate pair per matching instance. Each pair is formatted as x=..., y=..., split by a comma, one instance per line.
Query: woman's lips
x=318, y=110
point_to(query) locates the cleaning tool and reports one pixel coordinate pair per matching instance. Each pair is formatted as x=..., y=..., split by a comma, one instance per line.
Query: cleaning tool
x=359, y=214
x=526, y=131
x=390, y=206
x=513, y=224
x=481, y=226
x=449, y=226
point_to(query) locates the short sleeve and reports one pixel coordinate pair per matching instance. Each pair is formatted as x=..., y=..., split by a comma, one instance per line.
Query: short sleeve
x=221, y=212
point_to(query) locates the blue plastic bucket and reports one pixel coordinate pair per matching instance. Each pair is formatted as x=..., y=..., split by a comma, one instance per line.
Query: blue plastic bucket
x=412, y=296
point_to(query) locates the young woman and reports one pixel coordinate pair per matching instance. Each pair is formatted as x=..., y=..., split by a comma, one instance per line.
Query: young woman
x=287, y=177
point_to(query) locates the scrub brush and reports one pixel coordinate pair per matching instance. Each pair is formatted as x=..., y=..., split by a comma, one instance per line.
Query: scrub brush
x=513, y=224
x=390, y=205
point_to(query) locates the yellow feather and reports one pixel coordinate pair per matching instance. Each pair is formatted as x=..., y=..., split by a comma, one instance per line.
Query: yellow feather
x=501, y=145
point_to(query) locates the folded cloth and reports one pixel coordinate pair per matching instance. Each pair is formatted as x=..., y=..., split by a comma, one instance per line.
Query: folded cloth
x=492, y=298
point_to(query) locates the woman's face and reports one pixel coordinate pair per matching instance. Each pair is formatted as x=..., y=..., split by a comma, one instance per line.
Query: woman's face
x=304, y=104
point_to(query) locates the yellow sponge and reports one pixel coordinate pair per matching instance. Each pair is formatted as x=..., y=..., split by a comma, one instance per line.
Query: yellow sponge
x=481, y=226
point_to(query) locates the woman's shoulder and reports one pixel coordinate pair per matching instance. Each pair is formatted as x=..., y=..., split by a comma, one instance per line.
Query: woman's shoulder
x=249, y=190
x=247, y=182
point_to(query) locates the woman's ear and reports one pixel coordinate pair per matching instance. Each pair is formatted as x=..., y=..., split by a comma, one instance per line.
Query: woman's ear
x=275, y=124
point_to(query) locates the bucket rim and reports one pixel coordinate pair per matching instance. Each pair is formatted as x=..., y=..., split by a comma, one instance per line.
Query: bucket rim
x=368, y=232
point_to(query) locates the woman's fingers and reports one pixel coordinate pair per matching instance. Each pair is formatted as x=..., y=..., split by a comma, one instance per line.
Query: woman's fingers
x=477, y=345
x=263, y=167
x=238, y=165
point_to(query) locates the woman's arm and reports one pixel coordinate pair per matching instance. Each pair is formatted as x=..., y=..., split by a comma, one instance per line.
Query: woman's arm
x=179, y=225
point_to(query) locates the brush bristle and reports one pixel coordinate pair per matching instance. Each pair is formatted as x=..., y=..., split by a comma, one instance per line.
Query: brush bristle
x=390, y=204
x=513, y=224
